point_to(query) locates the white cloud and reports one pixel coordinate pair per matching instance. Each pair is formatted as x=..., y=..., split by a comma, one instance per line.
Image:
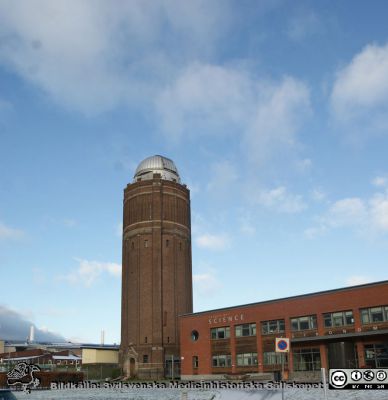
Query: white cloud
x=225, y=101
x=318, y=194
x=212, y=242
x=349, y=211
x=367, y=216
x=206, y=283
x=362, y=86
x=380, y=181
x=88, y=272
x=378, y=209
x=276, y=119
x=280, y=200
x=8, y=233
x=90, y=56
x=358, y=280
x=303, y=25
x=119, y=229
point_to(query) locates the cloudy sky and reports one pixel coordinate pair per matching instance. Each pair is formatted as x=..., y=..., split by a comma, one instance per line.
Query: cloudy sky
x=275, y=112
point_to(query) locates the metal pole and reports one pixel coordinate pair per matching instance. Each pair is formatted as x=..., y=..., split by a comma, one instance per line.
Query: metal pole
x=282, y=375
x=172, y=367
x=323, y=373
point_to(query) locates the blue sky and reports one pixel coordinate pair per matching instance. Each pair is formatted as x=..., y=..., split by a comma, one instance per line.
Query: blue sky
x=275, y=113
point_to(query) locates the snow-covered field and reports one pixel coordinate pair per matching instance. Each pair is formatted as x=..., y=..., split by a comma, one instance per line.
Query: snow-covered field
x=179, y=394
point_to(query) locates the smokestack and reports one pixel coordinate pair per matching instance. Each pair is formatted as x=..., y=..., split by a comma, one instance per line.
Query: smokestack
x=102, y=337
x=32, y=334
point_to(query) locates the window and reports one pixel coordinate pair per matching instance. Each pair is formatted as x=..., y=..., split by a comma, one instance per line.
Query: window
x=273, y=358
x=246, y=359
x=224, y=360
x=374, y=314
x=304, y=323
x=133, y=245
x=274, y=326
x=376, y=355
x=245, y=330
x=145, y=358
x=194, y=335
x=341, y=318
x=220, y=333
x=146, y=339
x=167, y=242
x=145, y=243
x=307, y=359
x=180, y=245
x=195, y=362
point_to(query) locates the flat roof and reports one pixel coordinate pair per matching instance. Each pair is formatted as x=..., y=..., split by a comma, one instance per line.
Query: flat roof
x=300, y=296
x=101, y=347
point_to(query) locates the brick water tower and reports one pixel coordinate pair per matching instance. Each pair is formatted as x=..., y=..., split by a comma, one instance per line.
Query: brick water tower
x=156, y=269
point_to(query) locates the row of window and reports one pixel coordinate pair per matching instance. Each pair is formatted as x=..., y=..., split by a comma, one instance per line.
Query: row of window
x=304, y=359
x=146, y=244
x=335, y=319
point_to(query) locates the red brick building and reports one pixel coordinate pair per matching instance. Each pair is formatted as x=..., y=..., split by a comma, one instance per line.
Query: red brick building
x=156, y=269
x=345, y=328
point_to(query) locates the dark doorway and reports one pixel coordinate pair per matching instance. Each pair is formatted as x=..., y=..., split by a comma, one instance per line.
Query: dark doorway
x=342, y=355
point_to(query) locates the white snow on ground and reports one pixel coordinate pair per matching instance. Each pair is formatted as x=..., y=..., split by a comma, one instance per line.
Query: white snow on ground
x=179, y=394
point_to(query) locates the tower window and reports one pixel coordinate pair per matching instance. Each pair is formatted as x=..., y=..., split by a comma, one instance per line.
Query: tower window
x=167, y=242
x=168, y=339
x=194, y=335
x=195, y=362
x=145, y=243
x=180, y=245
x=146, y=339
x=145, y=358
x=133, y=245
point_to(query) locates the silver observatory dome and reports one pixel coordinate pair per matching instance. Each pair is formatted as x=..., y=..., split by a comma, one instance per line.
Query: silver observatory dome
x=157, y=165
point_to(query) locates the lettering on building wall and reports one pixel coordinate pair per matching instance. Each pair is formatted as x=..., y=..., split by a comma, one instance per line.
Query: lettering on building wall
x=217, y=319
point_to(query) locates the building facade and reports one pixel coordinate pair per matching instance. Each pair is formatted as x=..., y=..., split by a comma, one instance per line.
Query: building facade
x=156, y=269
x=343, y=328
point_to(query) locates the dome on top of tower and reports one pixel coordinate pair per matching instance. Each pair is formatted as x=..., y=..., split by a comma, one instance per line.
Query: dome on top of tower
x=157, y=165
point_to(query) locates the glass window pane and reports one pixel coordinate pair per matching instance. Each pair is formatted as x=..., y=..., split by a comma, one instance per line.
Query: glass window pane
x=229, y=361
x=238, y=330
x=349, y=318
x=365, y=316
x=304, y=323
x=377, y=314
x=327, y=320
x=273, y=326
x=281, y=325
x=338, y=319
x=294, y=324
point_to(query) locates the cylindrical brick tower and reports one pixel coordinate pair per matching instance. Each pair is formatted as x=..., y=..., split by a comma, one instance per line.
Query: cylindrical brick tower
x=156, y=269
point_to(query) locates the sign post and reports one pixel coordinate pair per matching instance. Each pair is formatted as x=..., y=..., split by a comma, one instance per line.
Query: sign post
x=282, y=345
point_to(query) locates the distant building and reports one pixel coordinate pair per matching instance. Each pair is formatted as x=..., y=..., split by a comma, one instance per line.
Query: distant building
x=1, y=346
x=342, y=328
x=156, y=269
x=100, y=355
